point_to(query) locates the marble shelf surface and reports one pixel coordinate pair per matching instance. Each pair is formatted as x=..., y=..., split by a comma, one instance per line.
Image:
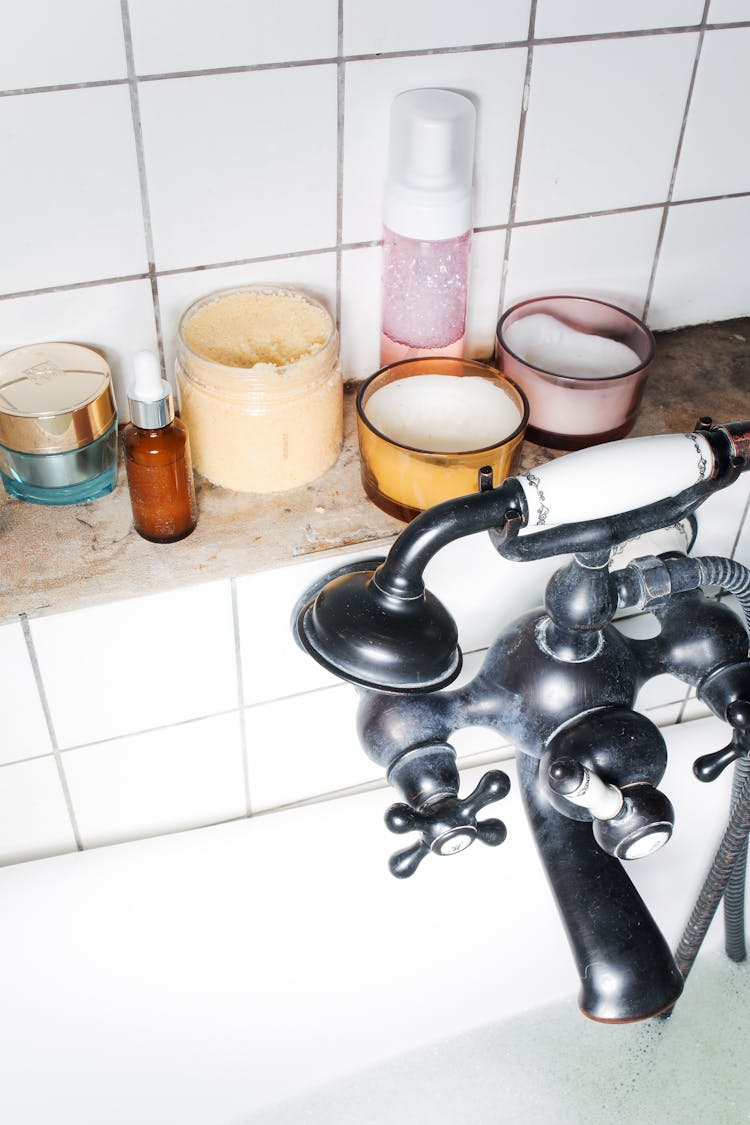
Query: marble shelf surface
x=54, y=559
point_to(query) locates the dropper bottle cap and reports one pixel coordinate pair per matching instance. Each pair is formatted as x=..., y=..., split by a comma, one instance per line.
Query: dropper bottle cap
x=428, y=189
x=150, y=396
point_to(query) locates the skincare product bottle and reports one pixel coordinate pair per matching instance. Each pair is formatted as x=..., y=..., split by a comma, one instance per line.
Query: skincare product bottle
x=427, y=220
x=157, y=458
x=58, y=424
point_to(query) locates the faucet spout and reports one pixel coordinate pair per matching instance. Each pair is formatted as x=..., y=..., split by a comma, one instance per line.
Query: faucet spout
x=626, y=969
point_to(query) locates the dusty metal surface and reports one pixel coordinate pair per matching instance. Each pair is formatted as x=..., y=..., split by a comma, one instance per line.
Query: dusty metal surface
x=54, y=559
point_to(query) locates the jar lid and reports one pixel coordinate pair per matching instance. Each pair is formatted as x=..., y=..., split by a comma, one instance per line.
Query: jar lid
x=54, y=397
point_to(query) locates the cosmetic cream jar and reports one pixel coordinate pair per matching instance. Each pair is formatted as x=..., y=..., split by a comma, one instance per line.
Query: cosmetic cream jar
x=260, y=387
x=58, y=424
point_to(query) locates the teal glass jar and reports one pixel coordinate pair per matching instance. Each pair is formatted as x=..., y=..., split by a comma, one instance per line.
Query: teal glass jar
x=58, y=424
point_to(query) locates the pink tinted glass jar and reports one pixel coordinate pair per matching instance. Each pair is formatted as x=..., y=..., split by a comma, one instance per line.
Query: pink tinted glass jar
x=572, y=410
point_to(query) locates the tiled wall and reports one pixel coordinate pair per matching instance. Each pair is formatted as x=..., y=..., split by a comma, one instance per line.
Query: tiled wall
x=222, y=716
x=154, y=150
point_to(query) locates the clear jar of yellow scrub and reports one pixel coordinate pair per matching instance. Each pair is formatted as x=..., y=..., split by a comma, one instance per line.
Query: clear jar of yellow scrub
x=261, y=388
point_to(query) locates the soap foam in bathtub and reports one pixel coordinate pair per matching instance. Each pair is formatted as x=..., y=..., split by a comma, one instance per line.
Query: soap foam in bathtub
x=552, y=1065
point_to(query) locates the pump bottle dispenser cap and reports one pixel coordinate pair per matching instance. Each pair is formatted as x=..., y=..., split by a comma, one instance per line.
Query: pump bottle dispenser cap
x=428, y=192
x=150, y=396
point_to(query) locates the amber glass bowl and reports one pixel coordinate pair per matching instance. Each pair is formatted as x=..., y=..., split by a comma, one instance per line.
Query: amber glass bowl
x=403, y=480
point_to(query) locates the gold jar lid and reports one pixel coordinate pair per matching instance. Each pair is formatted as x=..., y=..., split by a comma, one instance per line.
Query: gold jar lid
x=54, y=397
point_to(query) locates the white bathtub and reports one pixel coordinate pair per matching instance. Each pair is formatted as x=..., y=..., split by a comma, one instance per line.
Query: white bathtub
x=208, y=978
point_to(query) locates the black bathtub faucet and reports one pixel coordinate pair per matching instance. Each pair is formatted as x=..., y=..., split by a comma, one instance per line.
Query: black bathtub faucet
x=559, y=683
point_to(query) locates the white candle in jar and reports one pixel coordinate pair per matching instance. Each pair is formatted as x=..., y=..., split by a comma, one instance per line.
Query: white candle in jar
x=443, y=413
x=596, y=404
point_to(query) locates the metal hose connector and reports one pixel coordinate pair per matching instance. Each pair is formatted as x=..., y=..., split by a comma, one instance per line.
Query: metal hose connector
x=734, y=895
x=727, y=875
x=735, y=579
x=730, y=575
x=734, y=839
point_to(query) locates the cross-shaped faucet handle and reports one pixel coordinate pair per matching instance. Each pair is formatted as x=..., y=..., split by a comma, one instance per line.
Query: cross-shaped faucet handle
x=448, y=825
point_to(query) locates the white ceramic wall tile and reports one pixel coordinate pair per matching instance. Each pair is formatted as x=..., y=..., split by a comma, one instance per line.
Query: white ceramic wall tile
x=702, y=273
x=42, y=43
x=316, y=274
x=261, y=181
x=711, y=160
x=471, y=743
x=590, y=17
x=115, y=319
x=719, y=518
x=495, y=758
x=34, y=819
x=587, y=146
x=169, y=35
x=476, y=745
x=360, y=311
x=304, y=747
x=273, y=665
x=609, y=257
x=471, y=666
x=742, y=552
x=181, y=777
x=492, y=79
x=25, y=733
x=486, y=271
x=661, y=690
x=694, y=709
x=419, y=25
x=129, y=666
x=667, y=715
x=728, y=11
x=484, y=591
x=71, y=211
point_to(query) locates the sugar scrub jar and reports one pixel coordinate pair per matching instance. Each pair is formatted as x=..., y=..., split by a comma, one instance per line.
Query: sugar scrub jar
x=260, y=383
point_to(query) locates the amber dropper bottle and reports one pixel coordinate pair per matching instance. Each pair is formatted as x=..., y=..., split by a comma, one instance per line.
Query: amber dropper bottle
x=157, y=458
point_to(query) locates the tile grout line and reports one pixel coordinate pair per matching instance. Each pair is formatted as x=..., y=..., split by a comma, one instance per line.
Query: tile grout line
x=374, y=56
x=340, y=110
x=525, y=98
x=682, y=707
x=107, y=740
x=318, y=251
x=142, y=731
x=282, y=257
x=675, y=166
x=72, y=285
x=240, y=695
x=135, y=108
x=37, y=673
x=62, y=87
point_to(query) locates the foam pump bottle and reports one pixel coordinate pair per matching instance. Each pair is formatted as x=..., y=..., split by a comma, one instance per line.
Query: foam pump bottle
x=427, y=221
x=157, y=457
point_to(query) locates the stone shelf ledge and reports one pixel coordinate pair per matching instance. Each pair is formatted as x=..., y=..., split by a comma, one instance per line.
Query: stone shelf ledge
x=55, y=559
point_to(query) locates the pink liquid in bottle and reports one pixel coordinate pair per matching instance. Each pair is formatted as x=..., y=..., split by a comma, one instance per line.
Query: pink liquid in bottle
x=424, y=296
